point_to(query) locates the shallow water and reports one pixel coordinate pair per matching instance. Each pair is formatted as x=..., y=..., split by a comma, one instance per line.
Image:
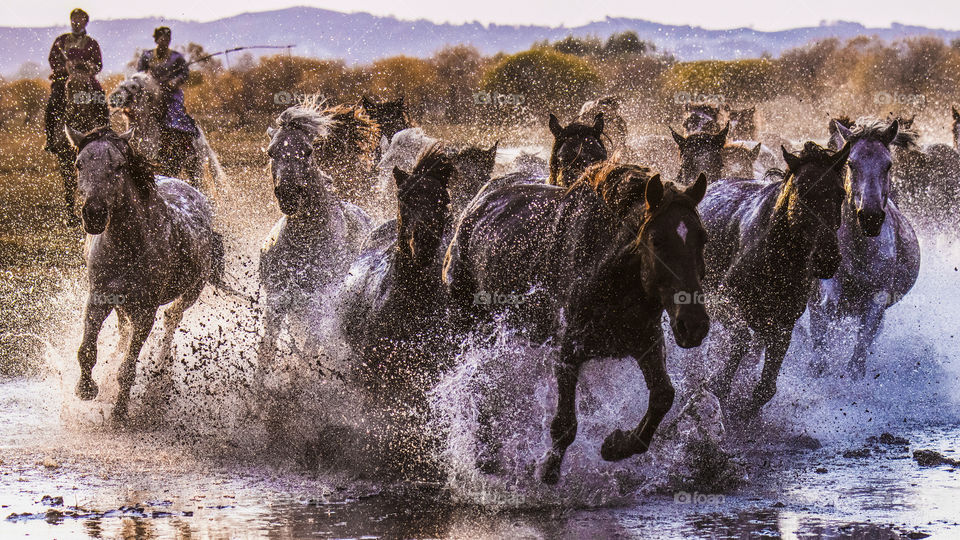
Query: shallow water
x=229, y=456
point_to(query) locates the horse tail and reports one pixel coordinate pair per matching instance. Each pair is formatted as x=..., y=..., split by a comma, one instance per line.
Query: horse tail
x=208, y=155
x=218, y=269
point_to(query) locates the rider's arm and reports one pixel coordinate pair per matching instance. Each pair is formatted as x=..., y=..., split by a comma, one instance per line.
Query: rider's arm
x=96, y=57
x=57, y=59
x=178, y=73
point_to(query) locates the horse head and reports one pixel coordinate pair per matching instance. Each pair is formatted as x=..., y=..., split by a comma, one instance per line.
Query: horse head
x=671, y=242
x=391, y=116
x=659, y=232
x=297, y=133
x=869, y=164
x=423, y=202
x=743, y=125
x=813, y=196
x=575, y=147
x=739, y=160
x=701, y=153
x=138, y=99
x=106, y=165
x=474, y=167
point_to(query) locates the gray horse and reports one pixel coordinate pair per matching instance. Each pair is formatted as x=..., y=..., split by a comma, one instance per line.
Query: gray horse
x=880, y=254
x=313, y=244
x=150, y=242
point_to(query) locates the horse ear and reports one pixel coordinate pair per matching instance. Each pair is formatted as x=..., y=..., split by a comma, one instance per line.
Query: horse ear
x=598, y=124
x=842, y=130
x=956, y=113
x=721, y=137
x=698, y=189
x=401, y=99
x=73, y=135
x=555, y=126
x=793, y=162
x=493, y=149
x=400, y=176
x=271, y=131
x=653, y=194
x=755, y=153
x=890, y=133
x=677, y=137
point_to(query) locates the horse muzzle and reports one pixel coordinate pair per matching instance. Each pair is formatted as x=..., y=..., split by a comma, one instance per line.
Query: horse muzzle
x=871, y=221
x=94, y=218
x=690, y=325
x=289, y=198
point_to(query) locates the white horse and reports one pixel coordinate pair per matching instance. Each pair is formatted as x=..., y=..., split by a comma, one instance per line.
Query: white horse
x=310, y=249
x=150, y=242
x=140, y=99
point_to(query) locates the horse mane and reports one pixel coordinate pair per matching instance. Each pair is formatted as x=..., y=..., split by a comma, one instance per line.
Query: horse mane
x=434, y=162
x=871, y=129
x=353, y=129
x=622, y=185
x=142, y=172
x=811, y=152
x=573, y=130
x=309, y=114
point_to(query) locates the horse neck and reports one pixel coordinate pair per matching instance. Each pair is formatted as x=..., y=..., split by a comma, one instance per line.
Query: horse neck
x=781, y=239
x=316, y=210
x=129, y=216
x=409, y=272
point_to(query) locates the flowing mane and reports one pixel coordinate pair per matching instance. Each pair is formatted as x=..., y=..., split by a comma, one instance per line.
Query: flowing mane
x=352, y=130
x=623, y=185
x=811, y=152
x=309, y=114
x=871, y=129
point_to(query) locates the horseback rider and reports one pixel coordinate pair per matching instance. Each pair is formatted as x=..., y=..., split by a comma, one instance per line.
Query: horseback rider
x=74, y=57
x=178, y=130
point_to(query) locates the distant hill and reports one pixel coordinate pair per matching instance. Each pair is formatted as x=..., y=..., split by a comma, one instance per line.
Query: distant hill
x=361, y=37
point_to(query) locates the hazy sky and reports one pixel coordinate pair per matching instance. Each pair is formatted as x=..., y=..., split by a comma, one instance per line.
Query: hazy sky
x=760, y=14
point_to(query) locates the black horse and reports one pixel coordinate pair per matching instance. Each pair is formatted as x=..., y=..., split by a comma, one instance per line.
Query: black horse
x=768, y=241
x=701, y=152
x=594, y=266
x=575, y=147
x=391, y=116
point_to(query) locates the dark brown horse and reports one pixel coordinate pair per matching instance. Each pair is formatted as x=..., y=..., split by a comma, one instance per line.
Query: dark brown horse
x=575, y=147
x=393, y=310
x=768, y=241
x=591, y=267
x=393, y=291
x=390, y=116
x=701, y=152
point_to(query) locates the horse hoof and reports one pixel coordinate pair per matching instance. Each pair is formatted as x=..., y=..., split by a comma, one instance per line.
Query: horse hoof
x=87, y=389
x=619, y=445
x=550, y=469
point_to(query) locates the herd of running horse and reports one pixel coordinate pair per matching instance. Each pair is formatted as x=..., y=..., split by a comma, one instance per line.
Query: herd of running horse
x=586, y=251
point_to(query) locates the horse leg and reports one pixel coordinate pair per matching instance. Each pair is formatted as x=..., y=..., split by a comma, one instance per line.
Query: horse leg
x=869, y=327
x=776, y=341
x=819, y=326
x=623, y=444
x=272, y=318
x=142, y=323
x=563, y=428
x=722, y=382
x=96, y=313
